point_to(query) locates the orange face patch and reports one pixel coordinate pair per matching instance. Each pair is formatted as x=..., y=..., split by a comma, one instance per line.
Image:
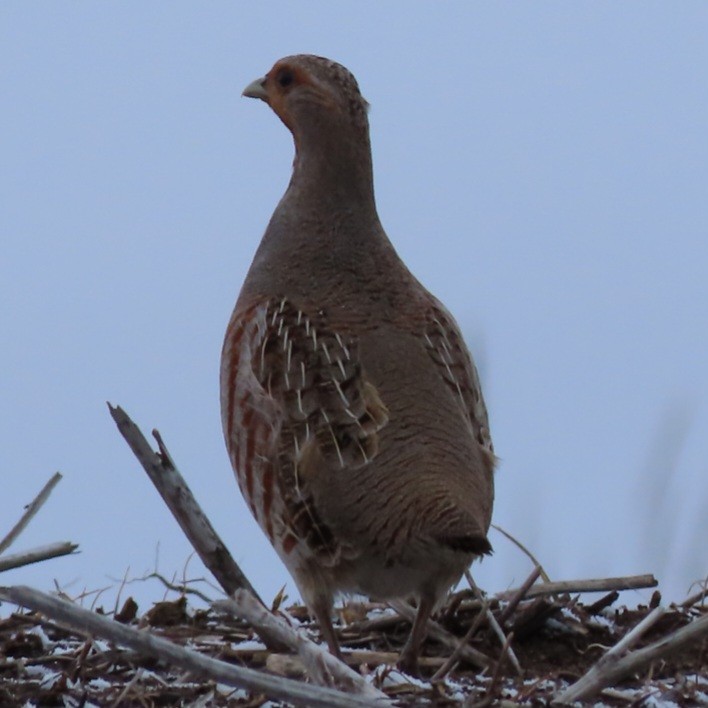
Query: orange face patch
x=284, y=78
x=280, y=80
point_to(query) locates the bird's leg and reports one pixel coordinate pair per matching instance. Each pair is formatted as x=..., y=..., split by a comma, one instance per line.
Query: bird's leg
x=408, y=661
x=322, y=609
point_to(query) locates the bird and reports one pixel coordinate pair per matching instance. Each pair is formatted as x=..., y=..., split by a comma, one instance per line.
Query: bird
x=352, y=410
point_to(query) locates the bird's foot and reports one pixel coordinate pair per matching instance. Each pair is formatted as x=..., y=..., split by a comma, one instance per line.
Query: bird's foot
x=408, y=662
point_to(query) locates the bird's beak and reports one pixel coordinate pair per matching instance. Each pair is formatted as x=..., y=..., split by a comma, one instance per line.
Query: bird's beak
x=256, y=89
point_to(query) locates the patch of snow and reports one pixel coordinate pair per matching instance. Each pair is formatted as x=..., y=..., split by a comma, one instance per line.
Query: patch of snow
x=456, y=689
x=567, y=612
x=99, y=683
x=205, y=640
x=542, y=684
x=150, y=675
x=50, y=679
x=250, y=644
x=38, y=631
x=63, y=647
x=232, y=692
x=602, y=622
x=101, y=645
x=653, y=701
x=42, y=673
x=293, y=621
x=546, y=684
x=395, y=677
x=377, y=612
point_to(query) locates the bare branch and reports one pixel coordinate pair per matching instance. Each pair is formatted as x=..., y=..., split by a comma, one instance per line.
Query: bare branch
x=164, y=474
x=53, y=550
x=493, y=690
x=293, y=666
x=520, y=594
x=496, y=624
x=630, y=582
x=524, y=550
x=181, y=587
x=605, y=601
x=694, y=599
x=322, y=667
x=184, y=507
x=90, y=623
x=602, y=673
x=30, y=510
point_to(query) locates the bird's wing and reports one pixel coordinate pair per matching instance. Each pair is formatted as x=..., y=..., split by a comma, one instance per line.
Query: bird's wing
x=448, y=350
x=308, y=409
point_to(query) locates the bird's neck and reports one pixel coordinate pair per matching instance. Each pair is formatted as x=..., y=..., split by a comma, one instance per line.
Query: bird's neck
x=332, y=176
x=324, y=241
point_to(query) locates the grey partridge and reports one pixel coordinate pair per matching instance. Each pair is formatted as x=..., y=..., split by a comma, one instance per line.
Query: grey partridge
x=352, y=410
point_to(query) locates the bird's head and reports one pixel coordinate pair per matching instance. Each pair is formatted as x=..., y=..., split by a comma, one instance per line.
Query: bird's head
x=312, y=95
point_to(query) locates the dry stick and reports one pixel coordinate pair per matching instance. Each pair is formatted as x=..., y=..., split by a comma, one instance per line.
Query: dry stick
x=325, y=669
x=128, y=688
x=602, y=603
x=493, y=688
x=30, y=510
x=164, y=475
x=87, y=622
x=691, y=600
x=495, y=625
x=179, y=587
x=377, y=624
x=533, y=616
x=525, y=550
x=630, y=582
x=193, y=521
x=434, y=630
x=181, y=502
x=698, y=629
x=520, y=594
x=53, y=550
x=624, y=696
x=290, y=664
x=603, y=671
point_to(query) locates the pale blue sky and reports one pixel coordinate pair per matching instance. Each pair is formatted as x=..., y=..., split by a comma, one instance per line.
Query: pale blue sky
x=541, y=166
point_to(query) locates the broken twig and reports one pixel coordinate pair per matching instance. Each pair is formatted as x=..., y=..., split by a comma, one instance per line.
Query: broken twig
x=496, y=625
x=323, y=667
x=597, y=677
x=630, y=582
x=524, y=550
x=176, y=494
x=30, y=510
x=519, y=595
x=35, y=555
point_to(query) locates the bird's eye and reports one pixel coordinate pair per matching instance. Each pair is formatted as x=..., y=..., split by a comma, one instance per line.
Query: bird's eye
x=285, y=78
